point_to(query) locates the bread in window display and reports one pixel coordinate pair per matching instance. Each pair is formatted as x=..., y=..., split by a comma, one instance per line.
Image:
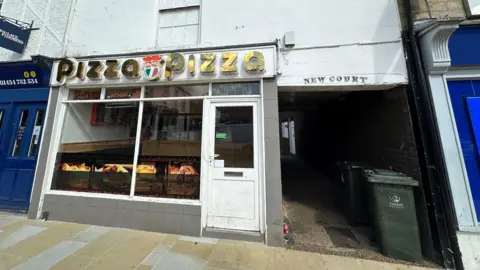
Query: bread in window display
x=146, y=179
x=183, y=178
x=75, y=175
x=116, y=175
x=72, y=167
x=150, y=169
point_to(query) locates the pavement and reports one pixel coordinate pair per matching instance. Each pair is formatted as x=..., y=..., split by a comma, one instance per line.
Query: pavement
x=37, y=244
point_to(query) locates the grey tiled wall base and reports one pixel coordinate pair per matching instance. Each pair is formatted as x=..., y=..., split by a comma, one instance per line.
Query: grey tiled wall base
x=180, y=219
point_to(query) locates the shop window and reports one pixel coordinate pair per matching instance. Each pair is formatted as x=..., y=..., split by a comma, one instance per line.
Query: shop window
x=179, y=22
x=170, y=151
x=176, y=91
x=235, y=89
x=84, y=94
x=97, y=148
x=234, y=136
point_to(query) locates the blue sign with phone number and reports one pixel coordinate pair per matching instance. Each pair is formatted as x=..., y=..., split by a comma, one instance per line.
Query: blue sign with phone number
x=21, y=75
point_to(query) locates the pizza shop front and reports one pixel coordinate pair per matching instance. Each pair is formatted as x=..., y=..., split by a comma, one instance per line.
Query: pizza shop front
x=170, y=143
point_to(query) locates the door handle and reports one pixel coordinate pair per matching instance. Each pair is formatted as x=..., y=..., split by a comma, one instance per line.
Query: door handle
x=216, y=155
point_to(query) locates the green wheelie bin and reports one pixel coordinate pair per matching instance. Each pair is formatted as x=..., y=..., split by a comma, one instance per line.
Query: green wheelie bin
x=355, y=192
x=392, y=205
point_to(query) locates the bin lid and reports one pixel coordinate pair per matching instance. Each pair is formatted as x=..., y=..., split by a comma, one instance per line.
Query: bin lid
x=352, y=164
x=389, y=177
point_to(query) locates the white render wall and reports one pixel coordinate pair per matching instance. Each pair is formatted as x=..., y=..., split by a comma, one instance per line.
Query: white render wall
x=344, y=37
x=50, y=16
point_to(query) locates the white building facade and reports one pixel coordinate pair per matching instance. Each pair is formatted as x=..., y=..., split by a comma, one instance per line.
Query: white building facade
x=164, y=114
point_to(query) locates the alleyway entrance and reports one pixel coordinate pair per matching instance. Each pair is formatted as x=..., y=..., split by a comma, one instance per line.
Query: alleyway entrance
x=319, y=131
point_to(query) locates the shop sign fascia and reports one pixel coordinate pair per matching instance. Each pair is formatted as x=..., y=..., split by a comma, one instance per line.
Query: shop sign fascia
x=252, y=63
x=22, y=75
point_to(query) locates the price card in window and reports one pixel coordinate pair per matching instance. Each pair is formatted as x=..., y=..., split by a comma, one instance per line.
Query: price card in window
x=36, y=134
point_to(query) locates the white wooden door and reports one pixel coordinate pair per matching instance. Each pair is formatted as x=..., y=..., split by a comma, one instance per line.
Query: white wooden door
x=233, y=188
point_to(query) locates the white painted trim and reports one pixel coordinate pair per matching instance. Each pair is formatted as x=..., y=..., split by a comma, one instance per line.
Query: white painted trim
x=455, y=165
x=60, y=110
x=156, y=99
x=460, y=153
x=464, y=74
x=40, y=151
x=262, y=186
x=103, y=93
x=162, y=83
x=132, y=99
x=258, y=161
x=122, y=197
x=377, y=81
x=138, y=138
x=469, y=229
x=199, y=33
x=204, y=162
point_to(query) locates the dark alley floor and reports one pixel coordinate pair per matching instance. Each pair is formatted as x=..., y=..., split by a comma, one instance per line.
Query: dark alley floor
x=312, y=207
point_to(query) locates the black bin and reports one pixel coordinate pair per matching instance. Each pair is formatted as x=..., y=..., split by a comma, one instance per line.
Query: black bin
x=355, y=192
x=395, y=219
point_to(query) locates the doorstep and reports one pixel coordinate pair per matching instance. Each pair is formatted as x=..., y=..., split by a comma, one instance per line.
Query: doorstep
x=218, y=233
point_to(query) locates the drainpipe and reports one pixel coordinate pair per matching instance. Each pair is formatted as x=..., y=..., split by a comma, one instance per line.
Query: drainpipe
x=428, y=140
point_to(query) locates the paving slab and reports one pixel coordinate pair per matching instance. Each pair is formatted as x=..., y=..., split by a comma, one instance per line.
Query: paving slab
x=34, y=244
x=128, y=254
x=186, y=255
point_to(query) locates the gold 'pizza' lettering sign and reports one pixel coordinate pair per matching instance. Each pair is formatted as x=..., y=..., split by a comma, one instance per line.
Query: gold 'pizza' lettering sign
x=154, y=67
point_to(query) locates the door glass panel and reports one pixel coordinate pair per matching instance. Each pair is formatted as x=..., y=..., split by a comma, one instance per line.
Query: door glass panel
x=17, y=147
x=34, y=140
x=234, y=137
x=2, y=115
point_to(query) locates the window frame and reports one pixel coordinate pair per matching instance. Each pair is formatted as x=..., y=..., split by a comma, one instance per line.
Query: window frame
x=181, y=8
x=61, y=108
x=468, y=10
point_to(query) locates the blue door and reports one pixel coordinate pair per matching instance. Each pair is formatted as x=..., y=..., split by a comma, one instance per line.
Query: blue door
x=4, y=114
x=20, y=135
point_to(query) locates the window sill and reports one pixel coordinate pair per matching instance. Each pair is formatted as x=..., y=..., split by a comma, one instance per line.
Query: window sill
x=475, y=229
x=123, y=197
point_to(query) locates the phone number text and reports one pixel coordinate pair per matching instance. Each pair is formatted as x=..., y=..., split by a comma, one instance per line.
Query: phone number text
x=19, y=82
